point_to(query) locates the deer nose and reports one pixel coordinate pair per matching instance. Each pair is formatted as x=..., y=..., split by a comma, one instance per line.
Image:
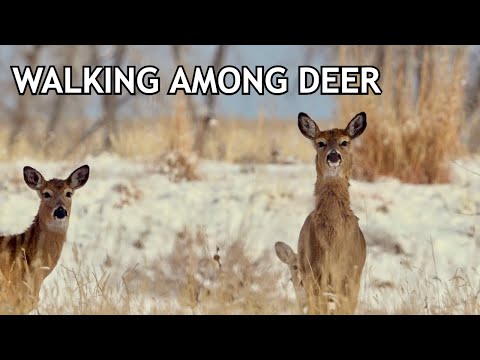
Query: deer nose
x=333, y=156
x=60, y=213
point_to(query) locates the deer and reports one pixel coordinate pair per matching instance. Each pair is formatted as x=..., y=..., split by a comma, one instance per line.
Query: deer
x=27, y=258
x=288, y=256
x=331, y=246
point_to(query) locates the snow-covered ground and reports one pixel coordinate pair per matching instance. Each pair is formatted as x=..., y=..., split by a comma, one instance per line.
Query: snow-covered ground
x=410, y=229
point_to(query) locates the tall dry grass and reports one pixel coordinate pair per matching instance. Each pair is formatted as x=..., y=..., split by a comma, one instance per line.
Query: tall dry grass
x=196, y=279
x=414, y=125
x=191, y=279
x=262, y=140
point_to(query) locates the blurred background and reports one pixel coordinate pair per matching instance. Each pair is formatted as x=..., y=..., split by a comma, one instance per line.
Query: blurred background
x=429, y=108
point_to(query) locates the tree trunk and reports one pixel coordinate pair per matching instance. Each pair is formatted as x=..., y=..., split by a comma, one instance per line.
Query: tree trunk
x=20, y=114
x=204, y=121
x=201, y=123
x=177, y=52
x=58, y=105
x=111, y=103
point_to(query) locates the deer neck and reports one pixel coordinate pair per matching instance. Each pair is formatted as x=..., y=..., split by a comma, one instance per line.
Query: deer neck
x=44, y=244
x=332, y=199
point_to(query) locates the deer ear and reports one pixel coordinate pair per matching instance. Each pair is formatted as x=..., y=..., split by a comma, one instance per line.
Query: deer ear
x=33, y=178
x=284, y=252
x=307, y=126
x=79, y=177
x=357, y=125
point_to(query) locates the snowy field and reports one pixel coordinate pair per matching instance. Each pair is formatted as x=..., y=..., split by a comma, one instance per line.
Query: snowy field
x=418, y=236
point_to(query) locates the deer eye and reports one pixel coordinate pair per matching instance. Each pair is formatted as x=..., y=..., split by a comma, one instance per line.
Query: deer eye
x=344, y=143
x=46, y=195
x=295, y=267
x=69, y=194
x=321, y=144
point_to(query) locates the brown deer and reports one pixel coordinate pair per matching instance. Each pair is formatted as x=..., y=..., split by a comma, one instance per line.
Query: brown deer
x=26, y=259
x=286, y=255
x=331, y=246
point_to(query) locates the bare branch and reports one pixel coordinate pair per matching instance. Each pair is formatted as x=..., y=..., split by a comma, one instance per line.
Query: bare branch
x=218, y=59
x=20, y=114
x=177, y=52
x=110, y=103
x=123, y=100
x=59, y=103
x=204, y=122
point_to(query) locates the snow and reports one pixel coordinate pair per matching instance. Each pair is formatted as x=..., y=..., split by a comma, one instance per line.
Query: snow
x=432, y=230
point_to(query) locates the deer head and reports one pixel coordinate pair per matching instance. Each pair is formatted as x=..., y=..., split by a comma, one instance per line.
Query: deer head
x=333, y=146
x=55, y=196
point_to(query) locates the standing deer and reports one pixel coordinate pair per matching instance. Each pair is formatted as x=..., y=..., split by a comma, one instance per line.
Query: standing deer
x=26, y=259
x=331, y=246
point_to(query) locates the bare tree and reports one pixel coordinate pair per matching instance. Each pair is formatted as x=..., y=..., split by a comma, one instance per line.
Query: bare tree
x=20, y=112
x=178, y=55
x=110, y=103
x=59, y=102
x=473, y=94
x=201, y=121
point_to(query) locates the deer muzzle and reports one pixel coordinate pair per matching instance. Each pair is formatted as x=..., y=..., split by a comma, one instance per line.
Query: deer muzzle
x=334, y=159
x=60, y=213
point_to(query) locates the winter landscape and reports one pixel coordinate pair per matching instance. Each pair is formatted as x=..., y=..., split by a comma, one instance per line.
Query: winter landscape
x=423, y=241
x=181, y=217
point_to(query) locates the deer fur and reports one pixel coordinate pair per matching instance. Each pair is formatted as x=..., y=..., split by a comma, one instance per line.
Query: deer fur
x=331, y=245
x=288, y=256
x=26, y=259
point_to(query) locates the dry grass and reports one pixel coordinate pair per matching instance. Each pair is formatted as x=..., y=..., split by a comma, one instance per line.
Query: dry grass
x=414, y=126
x=192, y=279
x=196, y=279
x=223, y=280
x=165, y=144
x=419, y=294
x=232, y=140
x=178, y=166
